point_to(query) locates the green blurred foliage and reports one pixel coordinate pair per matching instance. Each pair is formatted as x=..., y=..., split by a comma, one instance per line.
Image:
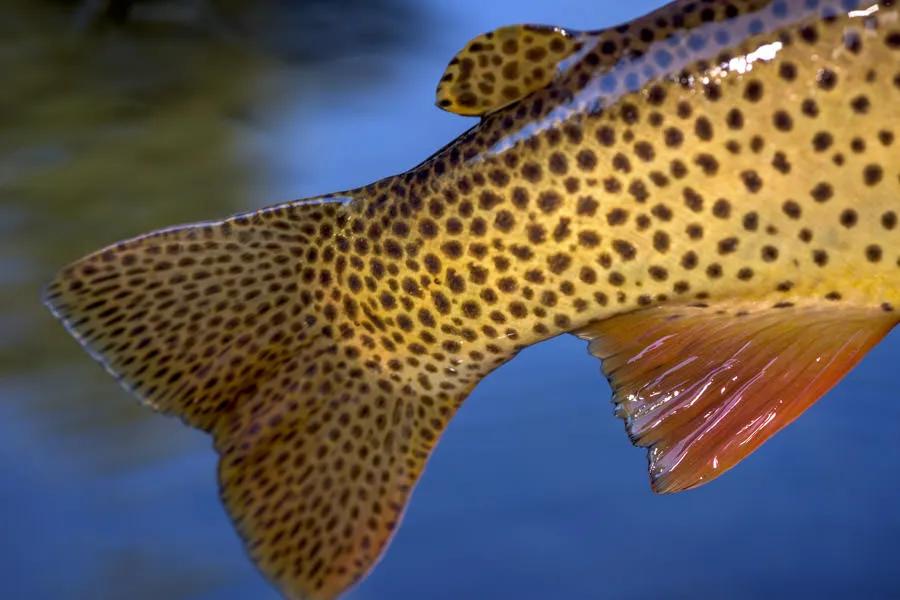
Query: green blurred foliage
x=117, y=118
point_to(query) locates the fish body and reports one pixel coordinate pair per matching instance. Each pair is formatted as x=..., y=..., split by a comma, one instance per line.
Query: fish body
x=709, y=194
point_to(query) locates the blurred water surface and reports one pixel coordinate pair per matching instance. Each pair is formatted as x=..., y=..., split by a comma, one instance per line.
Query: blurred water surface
x=113, y=123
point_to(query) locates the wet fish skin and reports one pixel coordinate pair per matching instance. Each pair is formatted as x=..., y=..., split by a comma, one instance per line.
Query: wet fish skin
x=709, y=194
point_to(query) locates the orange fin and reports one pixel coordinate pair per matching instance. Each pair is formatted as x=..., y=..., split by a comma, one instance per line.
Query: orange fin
x=503, y=66
x=703, y=388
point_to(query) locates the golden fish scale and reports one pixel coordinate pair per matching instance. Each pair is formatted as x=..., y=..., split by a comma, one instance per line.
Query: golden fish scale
x=326, y=343
x=737, y=198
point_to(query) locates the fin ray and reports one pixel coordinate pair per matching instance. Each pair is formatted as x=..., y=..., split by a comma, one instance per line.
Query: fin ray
x=702, y=388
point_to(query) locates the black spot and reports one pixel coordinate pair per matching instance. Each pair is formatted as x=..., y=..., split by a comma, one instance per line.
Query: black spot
x=787, y=71
x=757, y=143
x=751, y=221
x=616, y=216
x=713, y=91
x=612, y=185
x=848, y=218
x=752, y=181
x=661, y=241
x=630, y=113
x=638, y=190
x=809, y=34
x=703, y=128
x=692, y=199
x=504, y=221
x=586, y=160
x=536, y=233
x=606, y=135
x=714, y=271
x=673, y=137
x=587, y=206
x=753, y=90
x=588, y=239
x=827, y=79
x=499, y=177
x=621, y=163
x=531, y=172
x=558, y=164
x=872, y=174
x=860, y=104
x=735, y=119
x=689, y=260
x=745, y=274
x=624, y=249
x=661, y=212
x=728, y=245
x=708, y=163
x=873, y=253
x=791, y=209
x=489, y=200
x=810, y=108
x=644, y=151
x=658, y=273
x=722, y=208
x=893, y=40
x=822, y=140
x=852, y=41
x=559, y=262
x=549, y=201
x=781, y=163
x=822, y=192
x=656, y=95
x=782, y=121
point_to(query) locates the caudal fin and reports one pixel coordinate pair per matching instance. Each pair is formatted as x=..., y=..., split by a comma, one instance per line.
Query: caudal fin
x=243, y=328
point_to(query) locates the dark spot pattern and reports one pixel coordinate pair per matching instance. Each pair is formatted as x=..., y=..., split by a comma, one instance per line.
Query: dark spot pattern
x=326, y=343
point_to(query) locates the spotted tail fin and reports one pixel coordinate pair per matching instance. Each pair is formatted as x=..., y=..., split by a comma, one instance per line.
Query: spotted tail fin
x=246, y=329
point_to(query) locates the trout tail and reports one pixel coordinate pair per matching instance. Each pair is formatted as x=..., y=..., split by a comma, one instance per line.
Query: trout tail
x=258, y=330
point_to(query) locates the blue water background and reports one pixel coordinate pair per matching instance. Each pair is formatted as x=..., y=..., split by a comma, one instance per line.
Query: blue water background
x=534, y=491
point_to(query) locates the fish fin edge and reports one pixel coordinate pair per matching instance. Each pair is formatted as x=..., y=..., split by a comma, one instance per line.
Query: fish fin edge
x=503, y=66
x=703, y=387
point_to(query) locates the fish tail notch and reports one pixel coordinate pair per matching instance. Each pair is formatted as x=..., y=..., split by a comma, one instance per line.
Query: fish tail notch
x=703, y=387
x=321, y=414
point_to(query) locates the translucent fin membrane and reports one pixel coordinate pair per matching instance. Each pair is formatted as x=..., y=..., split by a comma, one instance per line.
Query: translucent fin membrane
x=702, y=388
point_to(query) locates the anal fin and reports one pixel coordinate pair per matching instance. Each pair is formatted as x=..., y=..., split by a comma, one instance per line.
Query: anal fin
x=702, y=388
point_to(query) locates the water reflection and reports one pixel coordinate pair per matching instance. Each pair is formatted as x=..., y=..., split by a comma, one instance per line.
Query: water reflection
x=111, y=128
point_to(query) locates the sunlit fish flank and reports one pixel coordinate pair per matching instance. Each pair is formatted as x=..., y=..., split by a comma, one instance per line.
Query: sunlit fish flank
x=709, y=194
